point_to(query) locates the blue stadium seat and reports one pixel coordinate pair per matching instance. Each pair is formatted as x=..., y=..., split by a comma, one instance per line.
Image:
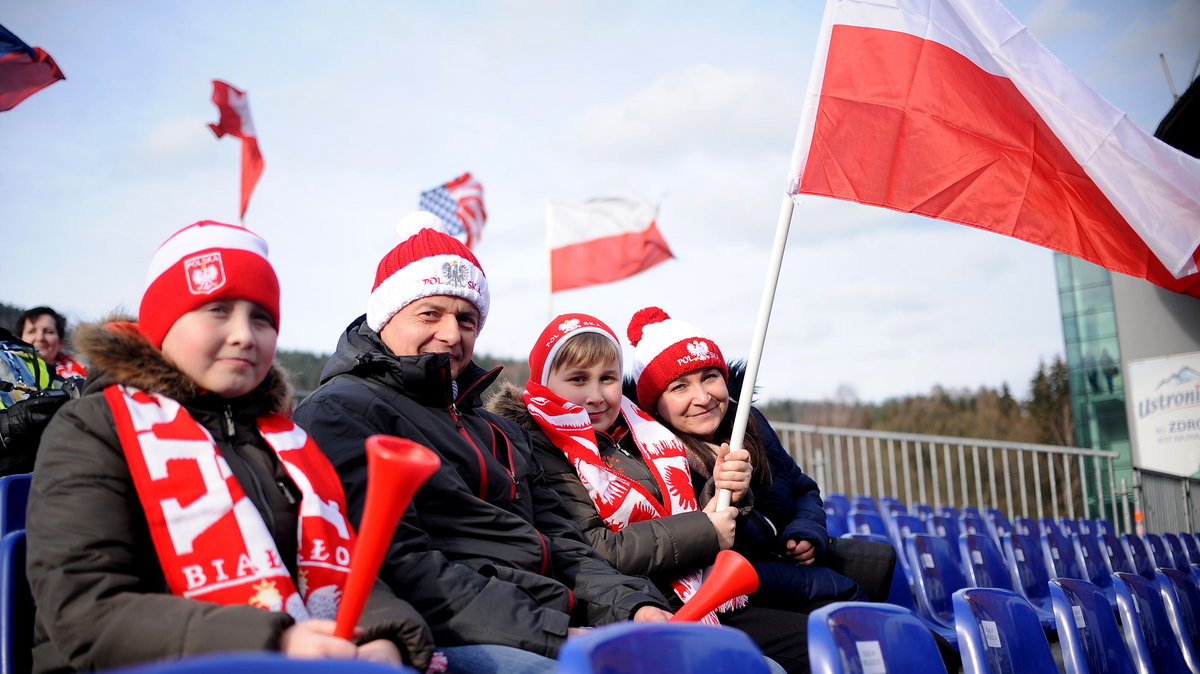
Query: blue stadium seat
x=891, y=504
x=945, y=528
x=1152, y=645
x=1086, y=526
x=1087, y=630
x=937, y=577
x=1116, y=554
x=839, y=502
x=997, y=523
x=1068, y=526
x=864, y=502
x=1023, y=554
x=16, y=606
x=1105, y=527
x=923, y=511
x=902, y=527
x=652, y=648
x=998, y=631
x=985, y=567
x=973, y=524
x=259, y=663
x=1139, y=554
x=1189, y=544
x=1094, y=565
x=853, y=637
x=1025, y=526
x=900, y=593
x=835, y=524
x=14, y=494
x=1182, y=601
x=1179, y=556
x=1160, y=557
x=866, y=522
x=948, y=511
x=971, y=511
x=1060, y=555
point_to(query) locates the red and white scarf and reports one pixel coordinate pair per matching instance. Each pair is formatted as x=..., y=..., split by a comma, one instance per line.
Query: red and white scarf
x=618, y=499
x=211, y=541
x=66, y=366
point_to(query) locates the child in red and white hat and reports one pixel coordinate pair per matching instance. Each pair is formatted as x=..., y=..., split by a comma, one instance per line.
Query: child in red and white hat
x=175, y=508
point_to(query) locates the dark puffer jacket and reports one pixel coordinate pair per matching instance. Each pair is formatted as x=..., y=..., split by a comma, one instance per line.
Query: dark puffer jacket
x=485, y=551
x=101, y=597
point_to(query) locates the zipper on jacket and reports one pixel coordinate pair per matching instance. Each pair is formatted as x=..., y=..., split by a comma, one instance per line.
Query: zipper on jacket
x=483, y=477
x=230, y=431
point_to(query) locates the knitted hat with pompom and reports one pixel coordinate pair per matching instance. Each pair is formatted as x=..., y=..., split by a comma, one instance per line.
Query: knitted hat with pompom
x=666, y=348
x=425, y=263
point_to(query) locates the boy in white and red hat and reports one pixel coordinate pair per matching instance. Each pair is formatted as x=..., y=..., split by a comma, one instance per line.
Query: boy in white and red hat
x=484, y=553
x=175, y=509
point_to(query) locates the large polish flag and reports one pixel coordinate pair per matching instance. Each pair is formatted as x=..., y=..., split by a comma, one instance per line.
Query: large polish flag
x=234, y=106
x=602, y=240
x=951, y=109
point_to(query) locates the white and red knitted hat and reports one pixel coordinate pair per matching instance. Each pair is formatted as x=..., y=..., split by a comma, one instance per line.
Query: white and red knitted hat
x=425, y=263
x=557, y=332
x=665, y=348
x=201, y=263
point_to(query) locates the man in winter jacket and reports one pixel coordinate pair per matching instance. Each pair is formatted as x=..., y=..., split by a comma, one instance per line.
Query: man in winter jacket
x=484, y=551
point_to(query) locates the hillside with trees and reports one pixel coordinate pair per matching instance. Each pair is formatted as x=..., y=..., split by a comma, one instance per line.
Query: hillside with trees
x=1045, y=417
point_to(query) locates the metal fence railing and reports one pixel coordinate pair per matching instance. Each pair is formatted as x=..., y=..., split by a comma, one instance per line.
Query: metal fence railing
x=1168, y=503
x=1020, y=479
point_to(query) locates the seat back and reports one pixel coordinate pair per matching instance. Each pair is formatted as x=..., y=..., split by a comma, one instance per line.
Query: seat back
x=943, y=527
x=997, y=522
x=14, y=495
x=936, y=575
x=1068, y=526
x=1159, y=555
x=971, y=511
x=891, y=504
x=1087, y=630
x=1086, y=526
x=998, y=631
x=651, y=648
x=982, y=562
x=1116, y=554
x=1024, y=554
x=864, y=502
x=907, y=525
x=16, y=606
x=1179, y=556
x=866, y=522
x=900, y=593
x=973, y=524
x=851, y=637
x=1105, y=527
x=1139, y=554
x=948, y=511
x=1182, y=601
x=1060, y=556
x=835, y=524
x=1025, y=526
x=1189, y=545
x=1152, y=645
x=1091, y=560
x=923, y=511
x=839, y=503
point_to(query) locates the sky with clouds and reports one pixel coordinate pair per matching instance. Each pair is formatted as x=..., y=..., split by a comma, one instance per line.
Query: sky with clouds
x=361, y=105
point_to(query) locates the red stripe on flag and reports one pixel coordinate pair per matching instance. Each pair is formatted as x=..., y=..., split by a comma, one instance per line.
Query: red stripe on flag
x=22, y=75
x=606, y=259
x=914, y=126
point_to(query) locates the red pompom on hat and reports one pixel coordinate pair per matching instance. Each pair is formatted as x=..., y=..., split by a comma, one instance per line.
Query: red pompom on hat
x=664, y=349
x=556, y=333
x=201, y=263
x=425, y=263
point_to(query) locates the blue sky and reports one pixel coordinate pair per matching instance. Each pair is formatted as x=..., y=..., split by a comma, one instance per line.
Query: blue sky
x=361, y=105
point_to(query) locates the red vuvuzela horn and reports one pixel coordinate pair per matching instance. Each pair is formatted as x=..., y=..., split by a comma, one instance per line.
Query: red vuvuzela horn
x=730, y=576
x=396, y=468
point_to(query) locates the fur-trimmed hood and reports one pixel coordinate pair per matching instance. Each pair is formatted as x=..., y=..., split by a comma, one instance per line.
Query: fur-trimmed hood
x=119, y=354
x=508, y=403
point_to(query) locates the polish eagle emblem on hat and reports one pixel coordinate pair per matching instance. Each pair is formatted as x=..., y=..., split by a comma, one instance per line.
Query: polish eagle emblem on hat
x=699, y=349
x=456, y=273
x=205, y=273
x=569, y=325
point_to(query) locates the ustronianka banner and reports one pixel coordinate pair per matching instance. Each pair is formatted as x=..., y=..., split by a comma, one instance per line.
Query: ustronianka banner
x=1164, y=413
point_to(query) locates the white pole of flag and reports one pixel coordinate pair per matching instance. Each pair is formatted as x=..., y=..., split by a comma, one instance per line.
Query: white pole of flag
x=549, y=268
x=760, y=337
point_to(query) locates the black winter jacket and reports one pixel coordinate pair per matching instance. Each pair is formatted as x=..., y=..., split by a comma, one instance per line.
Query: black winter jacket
x=101, y=598
x=485, y=551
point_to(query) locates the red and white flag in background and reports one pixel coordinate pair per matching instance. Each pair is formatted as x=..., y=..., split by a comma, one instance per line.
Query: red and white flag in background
x=953, y=110
x=235, y=121
x=602, y=240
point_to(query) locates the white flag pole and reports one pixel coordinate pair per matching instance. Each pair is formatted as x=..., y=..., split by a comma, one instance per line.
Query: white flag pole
x=549, y=268
x=760, y=337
